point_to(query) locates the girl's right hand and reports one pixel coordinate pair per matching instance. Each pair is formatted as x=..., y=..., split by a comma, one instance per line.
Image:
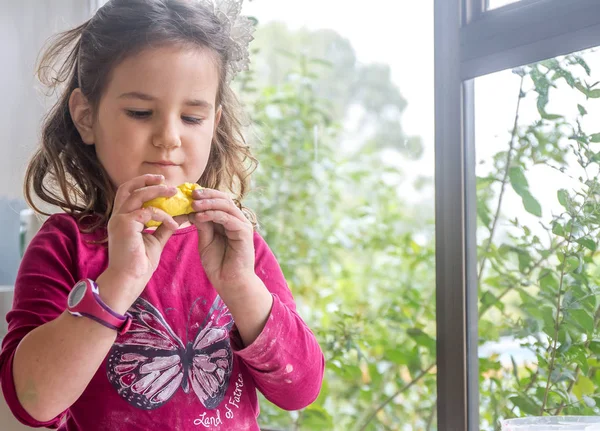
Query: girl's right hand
x=133, y=255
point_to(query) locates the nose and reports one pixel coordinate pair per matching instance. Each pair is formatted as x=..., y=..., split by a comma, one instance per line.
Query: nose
x=167, y=134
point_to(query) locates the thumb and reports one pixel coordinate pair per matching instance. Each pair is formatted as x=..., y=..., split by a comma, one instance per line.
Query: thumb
x=163, y=233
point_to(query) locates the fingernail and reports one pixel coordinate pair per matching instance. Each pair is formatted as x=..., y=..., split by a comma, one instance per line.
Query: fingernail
x=198, y=192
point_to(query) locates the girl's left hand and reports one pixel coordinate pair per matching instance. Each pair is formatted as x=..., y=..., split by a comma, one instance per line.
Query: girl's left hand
x=225, y=242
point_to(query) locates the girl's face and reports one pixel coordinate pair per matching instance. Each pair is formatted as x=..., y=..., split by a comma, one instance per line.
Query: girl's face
x=157, y=115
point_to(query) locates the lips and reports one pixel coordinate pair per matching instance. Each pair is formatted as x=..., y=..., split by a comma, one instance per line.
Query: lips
x=163, y=163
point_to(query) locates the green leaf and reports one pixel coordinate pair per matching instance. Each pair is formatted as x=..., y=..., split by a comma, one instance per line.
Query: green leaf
x=579, y=138
x=525, y=404
x=583, y=386
x=557, y=229
x=524, y=260
x=422, y=339
x=483, y=213
x=548, y=316
x=521, y=187
x=531, y=205
x=564, y=338
x=563, y=375
x=578, y=354
x=583, y=319
x=315, y=417
x=595, y=347
x=582, y=63
x=588, y=243
x=582, y=110
x=563, y=197
x=488, y=299
x=395, y=355
x=518, y=179
x=581, y=88
x=548, y=281
x=595, y=137
x=572, y=264
x=547, y=116
x=515, y=368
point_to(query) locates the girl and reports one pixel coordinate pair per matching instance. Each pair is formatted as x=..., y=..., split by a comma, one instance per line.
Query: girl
x=114, y=326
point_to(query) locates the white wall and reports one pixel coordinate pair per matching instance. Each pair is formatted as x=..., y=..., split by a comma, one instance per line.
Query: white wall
x=25, y=25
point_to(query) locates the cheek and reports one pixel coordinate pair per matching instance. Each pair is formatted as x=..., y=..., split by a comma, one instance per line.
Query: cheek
x=117, y=135
x=201, y=154
x=199, y=143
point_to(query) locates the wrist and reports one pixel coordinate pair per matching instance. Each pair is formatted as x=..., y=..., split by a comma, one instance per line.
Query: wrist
x=242, y=295
x=117, y=292
x=250, y=307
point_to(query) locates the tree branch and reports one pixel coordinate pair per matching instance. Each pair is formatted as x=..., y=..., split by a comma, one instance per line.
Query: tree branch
x=391, y=398
x=539, y=263
x=504, y=181
x=556, y=327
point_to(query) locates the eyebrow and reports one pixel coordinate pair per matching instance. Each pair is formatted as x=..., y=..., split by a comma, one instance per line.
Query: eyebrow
x=148, y=98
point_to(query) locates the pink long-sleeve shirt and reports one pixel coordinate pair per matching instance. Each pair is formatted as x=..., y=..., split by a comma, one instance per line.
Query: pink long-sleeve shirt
x=182, y=365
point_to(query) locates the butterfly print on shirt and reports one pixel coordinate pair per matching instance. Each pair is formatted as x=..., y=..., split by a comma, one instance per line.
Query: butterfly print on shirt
x=149, y=363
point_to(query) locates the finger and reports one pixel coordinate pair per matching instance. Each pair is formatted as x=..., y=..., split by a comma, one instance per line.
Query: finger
x=127, y=188
x=164, y=232
x=181, y=219
x=138, y=197
x=235, y=229
x=210, y=194
x=142, y=216
x=219, y=204
x=206, y=231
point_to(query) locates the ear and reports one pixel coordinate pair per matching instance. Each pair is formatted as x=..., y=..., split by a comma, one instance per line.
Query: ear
x=82, y=116
x=218, y=117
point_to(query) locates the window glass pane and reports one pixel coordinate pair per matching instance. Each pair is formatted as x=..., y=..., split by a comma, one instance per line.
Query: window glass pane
x=538, y=152
x=345, y=198
x=342, y=124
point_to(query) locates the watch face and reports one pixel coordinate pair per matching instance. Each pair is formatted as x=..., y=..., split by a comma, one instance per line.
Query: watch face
x=77, y=294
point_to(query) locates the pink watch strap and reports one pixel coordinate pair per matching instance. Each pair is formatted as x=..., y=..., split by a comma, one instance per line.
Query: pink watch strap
x=92, y=307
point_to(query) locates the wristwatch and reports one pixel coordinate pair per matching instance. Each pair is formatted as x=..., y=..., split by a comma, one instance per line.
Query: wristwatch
x=84, y=301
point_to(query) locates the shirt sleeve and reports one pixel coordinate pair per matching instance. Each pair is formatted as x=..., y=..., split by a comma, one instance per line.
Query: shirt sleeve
x=43, y=283
x=285, y=360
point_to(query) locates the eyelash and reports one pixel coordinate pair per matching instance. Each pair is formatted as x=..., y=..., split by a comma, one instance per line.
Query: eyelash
x=144, y=115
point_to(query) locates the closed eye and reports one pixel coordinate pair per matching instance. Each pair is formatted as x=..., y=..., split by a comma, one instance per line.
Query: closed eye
x=143, y=115
x=193, y=120
x=139, y=115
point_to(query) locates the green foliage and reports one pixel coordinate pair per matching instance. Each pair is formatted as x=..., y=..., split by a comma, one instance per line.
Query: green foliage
x=360, y=260
x=539, y=285
x=365, y=90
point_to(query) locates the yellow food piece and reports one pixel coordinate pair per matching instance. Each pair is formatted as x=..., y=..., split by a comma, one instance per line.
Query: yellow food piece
x=180, y=204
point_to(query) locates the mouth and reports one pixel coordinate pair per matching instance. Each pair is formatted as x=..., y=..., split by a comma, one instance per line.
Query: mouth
x=163, y=163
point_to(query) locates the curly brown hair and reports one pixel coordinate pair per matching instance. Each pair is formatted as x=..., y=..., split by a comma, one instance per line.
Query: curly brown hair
x=64, y=172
